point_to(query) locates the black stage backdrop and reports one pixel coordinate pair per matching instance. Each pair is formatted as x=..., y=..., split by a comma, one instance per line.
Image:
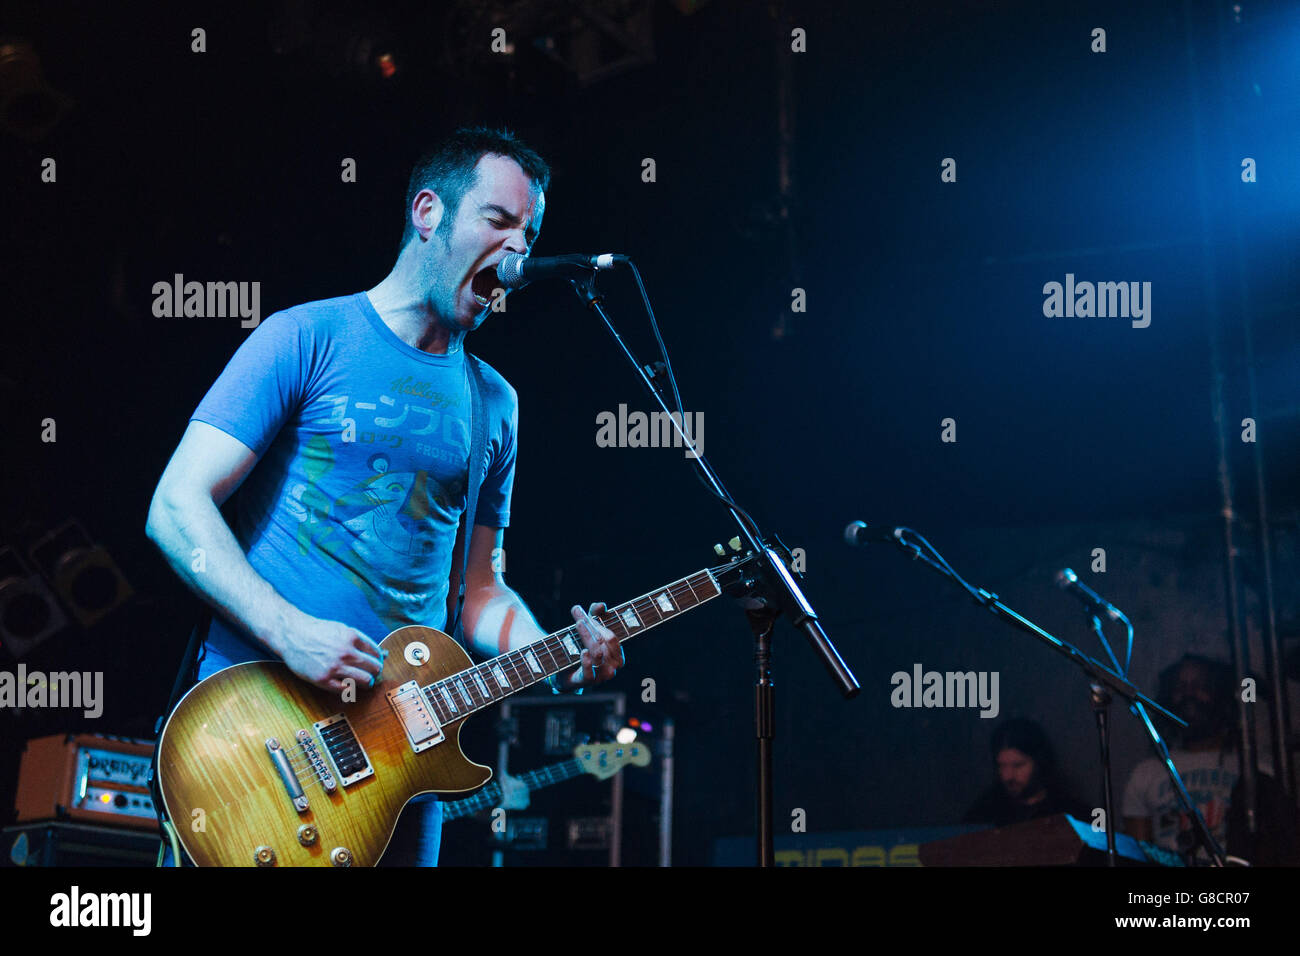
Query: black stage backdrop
x=825, y=331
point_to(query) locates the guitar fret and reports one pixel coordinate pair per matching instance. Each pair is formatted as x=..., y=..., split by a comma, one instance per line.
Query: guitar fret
x=519, y=670
x=460, y=686
x=553, y=648
x=647, y=609
x=506, y=670
x=483, y=684
x=431, y=701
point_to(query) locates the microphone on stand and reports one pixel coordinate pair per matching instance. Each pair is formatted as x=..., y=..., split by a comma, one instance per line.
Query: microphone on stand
x=859, y=533
x=515, y=271
x=1067, y=580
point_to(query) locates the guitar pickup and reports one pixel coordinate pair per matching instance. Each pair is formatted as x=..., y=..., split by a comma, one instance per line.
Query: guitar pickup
x=421, y=725
x=344, y=751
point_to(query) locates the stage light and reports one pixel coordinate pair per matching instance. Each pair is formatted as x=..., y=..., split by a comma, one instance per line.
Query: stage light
x=625, y=735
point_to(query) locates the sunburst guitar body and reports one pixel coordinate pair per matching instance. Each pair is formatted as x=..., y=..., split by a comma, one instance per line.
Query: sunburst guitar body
x=259, y=768
x=259, y=784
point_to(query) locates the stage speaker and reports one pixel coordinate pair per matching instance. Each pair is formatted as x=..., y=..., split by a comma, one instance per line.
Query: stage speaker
x=76, y=844
x=29, y=613
x=83, y=574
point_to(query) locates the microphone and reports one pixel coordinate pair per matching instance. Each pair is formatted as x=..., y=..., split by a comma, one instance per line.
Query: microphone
x=1067, y=580
x=859, y=533
x=515, y=271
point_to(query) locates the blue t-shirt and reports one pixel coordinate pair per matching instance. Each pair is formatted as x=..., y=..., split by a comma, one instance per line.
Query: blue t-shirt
x=351, y=513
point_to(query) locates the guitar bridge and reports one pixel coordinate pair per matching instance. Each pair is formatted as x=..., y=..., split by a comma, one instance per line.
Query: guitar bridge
x=422, y=728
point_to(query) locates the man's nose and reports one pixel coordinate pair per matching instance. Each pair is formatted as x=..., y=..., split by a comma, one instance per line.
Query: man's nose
x=516, y=242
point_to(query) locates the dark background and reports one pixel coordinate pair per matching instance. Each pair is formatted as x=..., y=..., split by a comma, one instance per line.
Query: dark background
x=924, y=301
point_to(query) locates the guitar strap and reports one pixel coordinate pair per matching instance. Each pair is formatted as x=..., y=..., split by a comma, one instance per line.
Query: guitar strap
x=187, y=673
x=477, y=454
x=186, y=676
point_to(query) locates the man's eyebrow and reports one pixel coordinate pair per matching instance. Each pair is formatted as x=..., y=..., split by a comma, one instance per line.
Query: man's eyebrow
x=504, y=213
x=500, y=211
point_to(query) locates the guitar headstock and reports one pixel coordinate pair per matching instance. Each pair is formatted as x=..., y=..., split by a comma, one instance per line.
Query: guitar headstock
x=604, y=760
x=739, y=577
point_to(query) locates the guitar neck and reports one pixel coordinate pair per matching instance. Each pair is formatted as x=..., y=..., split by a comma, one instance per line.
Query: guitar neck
x=485, y=684
x=533, y=779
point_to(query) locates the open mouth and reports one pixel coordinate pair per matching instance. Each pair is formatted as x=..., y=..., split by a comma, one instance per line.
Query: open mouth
x=484, y=285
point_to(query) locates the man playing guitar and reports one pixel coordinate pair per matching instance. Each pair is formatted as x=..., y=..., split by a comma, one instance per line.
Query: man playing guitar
x=351, y=419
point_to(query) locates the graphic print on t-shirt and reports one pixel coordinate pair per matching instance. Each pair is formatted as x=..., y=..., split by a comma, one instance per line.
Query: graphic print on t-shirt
x=387, y=514
x=353, y=508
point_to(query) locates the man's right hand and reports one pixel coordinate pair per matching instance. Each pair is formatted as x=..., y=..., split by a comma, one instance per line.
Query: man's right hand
x=185, y=520
x=328, y=653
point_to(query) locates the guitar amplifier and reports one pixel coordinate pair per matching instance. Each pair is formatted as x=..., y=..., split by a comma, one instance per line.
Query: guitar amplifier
x=76, y=844
x=88, y=778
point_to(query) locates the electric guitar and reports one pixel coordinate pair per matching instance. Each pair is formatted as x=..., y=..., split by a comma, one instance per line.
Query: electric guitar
x=259, y=768
x=600, y=760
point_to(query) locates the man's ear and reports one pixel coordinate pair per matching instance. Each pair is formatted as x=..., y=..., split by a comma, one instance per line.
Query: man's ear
x=426, y=212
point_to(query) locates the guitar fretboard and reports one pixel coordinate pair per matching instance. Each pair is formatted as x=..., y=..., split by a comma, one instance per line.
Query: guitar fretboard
x=485, y=684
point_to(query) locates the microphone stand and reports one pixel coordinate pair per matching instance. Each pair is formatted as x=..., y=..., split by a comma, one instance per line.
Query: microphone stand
x=1104, y=681
x=776, y=586
x=1100, y=697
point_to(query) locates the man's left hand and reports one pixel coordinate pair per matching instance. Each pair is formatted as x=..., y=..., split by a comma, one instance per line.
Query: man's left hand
x=602, y=654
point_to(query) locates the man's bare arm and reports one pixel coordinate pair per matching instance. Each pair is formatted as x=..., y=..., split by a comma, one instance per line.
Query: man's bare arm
x=185, y=523
x=497, y=619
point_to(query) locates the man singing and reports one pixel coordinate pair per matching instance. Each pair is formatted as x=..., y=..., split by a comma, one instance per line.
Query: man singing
x=351, y=420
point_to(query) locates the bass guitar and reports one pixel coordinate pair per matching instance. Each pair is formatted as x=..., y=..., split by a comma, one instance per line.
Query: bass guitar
x=602, y=761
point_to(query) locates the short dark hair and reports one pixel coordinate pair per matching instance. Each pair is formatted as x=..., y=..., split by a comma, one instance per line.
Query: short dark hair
x=448, y=169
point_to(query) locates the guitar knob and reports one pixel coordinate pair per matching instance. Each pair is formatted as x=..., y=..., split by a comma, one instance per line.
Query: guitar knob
x=416, y=653
x=341, y=856
x=307, y=834
x=719, y=550
x=735, y=543
x=264, y=856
